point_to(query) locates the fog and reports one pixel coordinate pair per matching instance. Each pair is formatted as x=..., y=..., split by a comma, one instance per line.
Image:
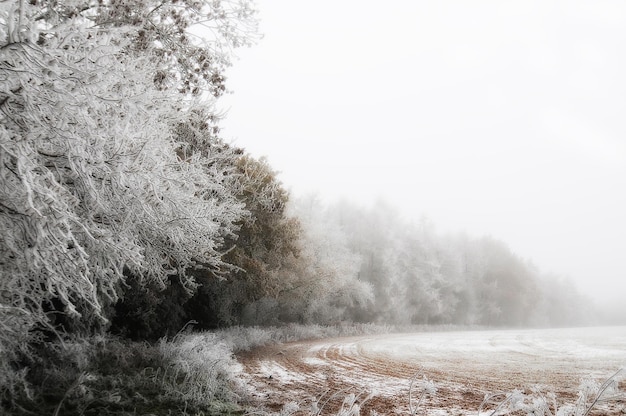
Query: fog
x=443, y=166
x=491, y=118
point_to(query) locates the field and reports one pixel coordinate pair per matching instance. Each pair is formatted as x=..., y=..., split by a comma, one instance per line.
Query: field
x=462, y=366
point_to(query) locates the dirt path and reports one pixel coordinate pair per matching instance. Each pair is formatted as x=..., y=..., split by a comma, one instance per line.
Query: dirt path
x=322, y=373
x=325, y=372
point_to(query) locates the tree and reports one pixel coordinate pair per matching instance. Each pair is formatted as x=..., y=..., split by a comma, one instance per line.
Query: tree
x=189, y=42
x=322, y=284
x=151, y=310
x=508, y=286
x=267, y=241
x=94, y=176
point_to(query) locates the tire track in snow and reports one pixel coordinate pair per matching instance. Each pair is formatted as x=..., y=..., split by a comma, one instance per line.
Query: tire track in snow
x=464, y=366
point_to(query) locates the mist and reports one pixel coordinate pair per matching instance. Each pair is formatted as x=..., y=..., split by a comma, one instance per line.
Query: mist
x=470, y=166
x=492, y=119
x=420, y=276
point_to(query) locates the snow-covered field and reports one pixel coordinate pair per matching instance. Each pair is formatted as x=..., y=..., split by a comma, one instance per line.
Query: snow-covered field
x=464, y=366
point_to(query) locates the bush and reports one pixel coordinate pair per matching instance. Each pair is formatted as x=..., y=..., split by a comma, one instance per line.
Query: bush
x=200, y=368
x=109, y=376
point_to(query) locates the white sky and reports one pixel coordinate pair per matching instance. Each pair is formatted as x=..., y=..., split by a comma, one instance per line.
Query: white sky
x=505, y=118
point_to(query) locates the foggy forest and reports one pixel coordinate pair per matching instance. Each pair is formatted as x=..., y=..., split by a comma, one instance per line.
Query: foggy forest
x=129, y=225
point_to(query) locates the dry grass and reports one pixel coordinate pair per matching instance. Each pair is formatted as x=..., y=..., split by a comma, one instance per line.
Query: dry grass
x=593, y=396
x=189, y=375
x=197, y=374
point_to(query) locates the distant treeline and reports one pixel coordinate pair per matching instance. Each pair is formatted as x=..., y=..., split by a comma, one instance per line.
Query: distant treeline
x=311, y=263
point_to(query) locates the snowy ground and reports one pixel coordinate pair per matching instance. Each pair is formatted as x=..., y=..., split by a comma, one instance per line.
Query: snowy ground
x=464, y=366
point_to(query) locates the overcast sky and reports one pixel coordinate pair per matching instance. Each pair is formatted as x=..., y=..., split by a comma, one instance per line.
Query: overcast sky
x=501, y=118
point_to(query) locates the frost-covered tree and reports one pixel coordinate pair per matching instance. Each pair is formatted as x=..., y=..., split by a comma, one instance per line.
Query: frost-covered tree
x=268, y=240
x=189, y=42
x=371, y=235
x=268, y=235
x=507, y=288
x=94, y=176
x=419, y=273
x=322, y=284
x=151, y=310
x=419, y=276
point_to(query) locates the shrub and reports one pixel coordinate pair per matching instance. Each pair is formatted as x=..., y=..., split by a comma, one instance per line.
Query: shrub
x=200, y=368
x=109, y=376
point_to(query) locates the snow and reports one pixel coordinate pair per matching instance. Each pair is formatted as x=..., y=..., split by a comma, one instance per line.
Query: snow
x=607, y=343
x=315, y=361
x=464, y=365
x=274, y=370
